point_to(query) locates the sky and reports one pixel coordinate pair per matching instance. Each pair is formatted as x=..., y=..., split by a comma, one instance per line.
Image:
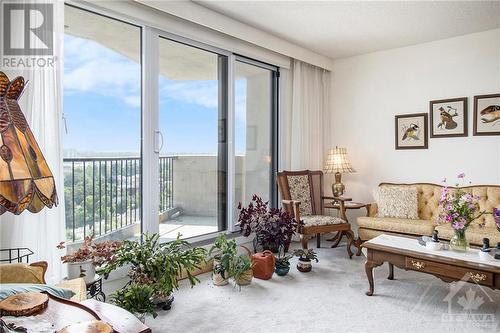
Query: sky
x=102, y=106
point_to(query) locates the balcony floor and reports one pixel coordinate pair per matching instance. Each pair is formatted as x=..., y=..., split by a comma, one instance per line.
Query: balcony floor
x=188, y=226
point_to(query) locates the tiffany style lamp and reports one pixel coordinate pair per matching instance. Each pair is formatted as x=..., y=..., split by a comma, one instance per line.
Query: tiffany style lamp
x=26, y=181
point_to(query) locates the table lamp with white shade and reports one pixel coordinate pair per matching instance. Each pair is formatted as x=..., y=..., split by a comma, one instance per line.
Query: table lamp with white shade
x=336, y=162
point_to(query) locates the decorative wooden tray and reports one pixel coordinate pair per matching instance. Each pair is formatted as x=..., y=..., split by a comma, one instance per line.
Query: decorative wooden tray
x=24, y=304
x=93, y=326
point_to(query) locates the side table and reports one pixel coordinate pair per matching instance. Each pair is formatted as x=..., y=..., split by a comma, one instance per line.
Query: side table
x=94, y=289
x=347, y=205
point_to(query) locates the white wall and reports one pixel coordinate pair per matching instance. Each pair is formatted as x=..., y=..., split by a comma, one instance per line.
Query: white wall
x=367, y=91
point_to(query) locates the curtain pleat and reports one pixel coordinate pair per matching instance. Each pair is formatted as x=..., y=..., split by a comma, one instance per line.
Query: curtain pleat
x=42, y=106
x=302, y=118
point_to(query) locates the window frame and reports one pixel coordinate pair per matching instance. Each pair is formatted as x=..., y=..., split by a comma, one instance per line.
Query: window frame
x=150, y=134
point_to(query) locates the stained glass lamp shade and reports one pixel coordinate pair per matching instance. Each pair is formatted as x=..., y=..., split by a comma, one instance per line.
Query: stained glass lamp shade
x=26, y=181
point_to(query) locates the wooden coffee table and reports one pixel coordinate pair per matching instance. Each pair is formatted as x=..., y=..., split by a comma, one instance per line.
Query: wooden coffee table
x=61, y=313
x=447, y=265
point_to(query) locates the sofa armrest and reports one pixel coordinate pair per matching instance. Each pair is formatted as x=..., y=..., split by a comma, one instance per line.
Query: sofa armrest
x=372, y=209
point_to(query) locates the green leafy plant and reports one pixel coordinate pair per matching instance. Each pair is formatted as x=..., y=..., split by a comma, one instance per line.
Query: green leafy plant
x=240, y=265
x=224, y=252
x=306, y=255
x=136, y=298
x=283, y=259
x=158, y=265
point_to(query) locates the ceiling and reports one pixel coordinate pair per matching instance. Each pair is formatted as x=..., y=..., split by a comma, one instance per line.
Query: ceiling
x=339, y=29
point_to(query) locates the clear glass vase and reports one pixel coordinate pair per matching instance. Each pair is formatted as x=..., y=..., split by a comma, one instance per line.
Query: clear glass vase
x=459, y=242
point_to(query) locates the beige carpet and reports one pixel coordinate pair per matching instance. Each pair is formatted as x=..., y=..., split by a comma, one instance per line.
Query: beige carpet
x=332, y=299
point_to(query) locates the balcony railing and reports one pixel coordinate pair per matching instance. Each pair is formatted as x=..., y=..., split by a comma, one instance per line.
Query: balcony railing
x=103, y=195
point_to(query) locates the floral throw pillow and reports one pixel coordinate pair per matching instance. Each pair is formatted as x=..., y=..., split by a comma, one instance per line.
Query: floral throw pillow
x=397, y=202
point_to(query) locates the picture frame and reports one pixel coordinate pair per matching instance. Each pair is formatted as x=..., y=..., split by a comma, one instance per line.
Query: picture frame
x=449, y=117
x=486, y=115
x=411, y=131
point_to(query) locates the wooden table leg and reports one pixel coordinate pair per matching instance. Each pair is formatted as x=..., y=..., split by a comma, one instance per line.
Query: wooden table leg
x=369, y=274
x=357, y=243
x=350, y=240
x=337, y=238
x=318, y=240
x=391, y=272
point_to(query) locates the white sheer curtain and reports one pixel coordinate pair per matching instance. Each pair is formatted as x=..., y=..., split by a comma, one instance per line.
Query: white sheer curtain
x=42, y=106
x=304, y=102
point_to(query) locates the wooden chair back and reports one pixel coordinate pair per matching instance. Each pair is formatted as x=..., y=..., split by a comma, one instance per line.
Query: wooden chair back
x=314, y=179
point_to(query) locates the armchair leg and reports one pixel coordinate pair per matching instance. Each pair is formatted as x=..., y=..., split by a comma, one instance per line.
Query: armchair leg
x=318, y=240
x=303, y=241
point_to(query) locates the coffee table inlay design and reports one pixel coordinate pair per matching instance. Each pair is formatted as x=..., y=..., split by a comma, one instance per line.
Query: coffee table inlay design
x=447, y=265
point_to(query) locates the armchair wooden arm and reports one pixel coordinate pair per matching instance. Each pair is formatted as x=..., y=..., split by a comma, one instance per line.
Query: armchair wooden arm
x=295, y=207
x=342, y=199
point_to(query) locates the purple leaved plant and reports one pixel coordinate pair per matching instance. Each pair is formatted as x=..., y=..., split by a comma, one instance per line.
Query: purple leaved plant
x=273, y=227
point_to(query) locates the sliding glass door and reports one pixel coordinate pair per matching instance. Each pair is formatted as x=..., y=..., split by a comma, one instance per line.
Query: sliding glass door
x=102, y=114
x=163, y=133
x=255, y=105
x=193, y=156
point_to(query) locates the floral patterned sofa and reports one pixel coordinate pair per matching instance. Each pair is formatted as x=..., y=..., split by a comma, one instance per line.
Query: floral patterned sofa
x=428, y=209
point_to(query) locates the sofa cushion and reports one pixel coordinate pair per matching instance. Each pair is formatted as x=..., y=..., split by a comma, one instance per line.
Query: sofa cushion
x=78, y=287
x=405, y=226
x=317, y=220
x=397, y=202
x=474, y=234
x=367, y=234
x=22, y=273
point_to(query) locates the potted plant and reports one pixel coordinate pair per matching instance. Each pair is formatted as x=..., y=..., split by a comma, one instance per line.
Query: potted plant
x=241, y=270
x=158, y=265
x=282, y=265
x=460, y=209
x=225, y=251
x=91, y=254
x=273, y=228
x=305, y=258
x=137, y=299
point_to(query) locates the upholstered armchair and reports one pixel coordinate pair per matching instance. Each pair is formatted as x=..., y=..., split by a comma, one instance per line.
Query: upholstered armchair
x=302, y=196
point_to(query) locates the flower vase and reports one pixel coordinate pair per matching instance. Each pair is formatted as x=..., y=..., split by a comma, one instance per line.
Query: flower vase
x=459, y=242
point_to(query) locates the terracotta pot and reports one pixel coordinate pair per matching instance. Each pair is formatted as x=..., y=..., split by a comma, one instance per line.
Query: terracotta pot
x=83, y=269
x=245, y=278
x=304, y=265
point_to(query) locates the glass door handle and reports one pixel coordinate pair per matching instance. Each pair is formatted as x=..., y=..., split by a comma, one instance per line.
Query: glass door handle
x=158, y=143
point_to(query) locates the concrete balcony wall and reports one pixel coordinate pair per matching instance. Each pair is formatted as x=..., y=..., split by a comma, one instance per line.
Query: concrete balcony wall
x=195, y=184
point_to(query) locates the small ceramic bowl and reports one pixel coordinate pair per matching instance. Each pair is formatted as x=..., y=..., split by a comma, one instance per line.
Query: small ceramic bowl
x=434, y=246
x=485, y=256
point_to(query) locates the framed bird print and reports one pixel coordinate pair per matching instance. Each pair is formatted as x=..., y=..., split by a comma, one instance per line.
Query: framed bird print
x=448, y=117
x=487, y=114
x=411, y=131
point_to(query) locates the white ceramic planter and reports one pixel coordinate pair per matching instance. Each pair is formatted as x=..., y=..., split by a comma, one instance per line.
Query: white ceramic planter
x=84, y=269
